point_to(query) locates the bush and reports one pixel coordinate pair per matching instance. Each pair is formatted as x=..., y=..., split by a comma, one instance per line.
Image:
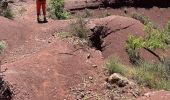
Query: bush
x=88, y=13
x=147, y=74
x=57, y=9
x=134, y=43
x=143, y=19
x=2, y=46
x=152, y=75
x=8, y=14
x=155, y=38
x=114, y=66
x=168, y=27
x=5, y=10
x=79, y=28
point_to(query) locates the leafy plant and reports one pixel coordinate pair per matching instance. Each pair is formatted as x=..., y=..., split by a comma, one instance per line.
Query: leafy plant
x=2, y=46
x=114, y=66
x=5, y=10
x=143, y=19
x=134, y=43
x=152, y=75
x=57, y=9
x=155, y=38
x=8, y=13
x=88, y=13
x=147, y=74
x=79, y=28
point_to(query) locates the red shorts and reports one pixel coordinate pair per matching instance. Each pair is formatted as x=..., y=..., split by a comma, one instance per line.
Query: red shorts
x=39, y=5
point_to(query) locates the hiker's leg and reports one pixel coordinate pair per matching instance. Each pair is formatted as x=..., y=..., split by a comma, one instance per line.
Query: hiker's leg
x=44, y=8
x=38, y=10
x=44, y=11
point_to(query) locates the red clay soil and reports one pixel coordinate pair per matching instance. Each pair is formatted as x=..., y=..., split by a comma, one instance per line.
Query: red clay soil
x=42, y=66
x=157, y=95
x=160, y=16
x=120, y=28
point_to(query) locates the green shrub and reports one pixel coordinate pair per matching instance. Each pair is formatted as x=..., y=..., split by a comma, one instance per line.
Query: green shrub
x=155, y=38
x=166, y=63
x=88, y=13
x=167, y=33
x=8, y=14
x=57, y=9
x=114, y=66
x=2, y=46
x=79, y=28
x=143, y=19
x=5, y=10
x=152, y=75
x=134, y=43
x=168, y=27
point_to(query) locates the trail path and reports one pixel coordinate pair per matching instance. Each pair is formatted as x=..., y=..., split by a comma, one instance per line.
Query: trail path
x=37, y=62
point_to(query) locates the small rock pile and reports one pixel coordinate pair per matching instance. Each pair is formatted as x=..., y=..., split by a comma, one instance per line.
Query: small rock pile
x=119, y=87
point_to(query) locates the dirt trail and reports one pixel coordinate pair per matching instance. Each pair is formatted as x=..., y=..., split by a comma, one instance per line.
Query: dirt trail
x=39, y=64
x=42, y=66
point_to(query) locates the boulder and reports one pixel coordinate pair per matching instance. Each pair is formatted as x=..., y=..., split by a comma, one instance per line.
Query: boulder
x=118, y=79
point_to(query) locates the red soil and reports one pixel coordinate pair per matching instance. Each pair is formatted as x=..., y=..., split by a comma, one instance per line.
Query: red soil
x=43, y=67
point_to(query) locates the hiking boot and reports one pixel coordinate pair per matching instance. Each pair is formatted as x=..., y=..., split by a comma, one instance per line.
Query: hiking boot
x=45, y=20
x=38, y=20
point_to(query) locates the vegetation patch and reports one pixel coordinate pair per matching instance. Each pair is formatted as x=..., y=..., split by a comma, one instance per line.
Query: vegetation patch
x=114, y=66
x=79, y=28
x=2, y=46
x=87, y=13
x=155, y=39
x=151, y=75
x=5, y=89
x=57, y=9
x=143, y=19
x=134, y=43
x=5, y=10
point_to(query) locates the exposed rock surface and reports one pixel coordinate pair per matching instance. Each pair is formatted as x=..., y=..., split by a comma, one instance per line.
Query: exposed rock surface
x=81, y=4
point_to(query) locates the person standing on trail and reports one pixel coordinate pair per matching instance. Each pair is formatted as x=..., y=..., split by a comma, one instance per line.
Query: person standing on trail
x=41, y=4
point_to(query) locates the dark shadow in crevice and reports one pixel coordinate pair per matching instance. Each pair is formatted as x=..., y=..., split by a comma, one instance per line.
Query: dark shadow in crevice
x=137, y=3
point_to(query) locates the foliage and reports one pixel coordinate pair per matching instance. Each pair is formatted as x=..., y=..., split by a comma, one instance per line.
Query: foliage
x=2, y=46
x=152, y=75
x=79, y=28
x=155, y=75
x=114, y=66
x=8, y=14
x=155, y=38
x=5, y=10
x=143, y=19
x=57, y=9
x=168, y=27
x=134, y=43
x=88, y=13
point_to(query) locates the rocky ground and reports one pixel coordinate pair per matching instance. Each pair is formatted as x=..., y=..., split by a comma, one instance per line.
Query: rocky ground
x=40, y=65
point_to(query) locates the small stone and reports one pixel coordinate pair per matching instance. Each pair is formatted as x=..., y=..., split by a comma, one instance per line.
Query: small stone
x=91, y=78
x=94, y=66
x=49, y=41
x=88, y=56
